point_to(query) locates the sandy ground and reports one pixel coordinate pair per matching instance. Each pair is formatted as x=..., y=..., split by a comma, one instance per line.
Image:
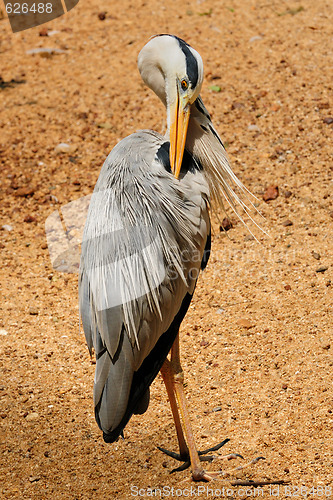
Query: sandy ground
x=257, y=341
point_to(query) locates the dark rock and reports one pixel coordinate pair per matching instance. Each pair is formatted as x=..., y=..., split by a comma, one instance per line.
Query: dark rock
x=226, y=224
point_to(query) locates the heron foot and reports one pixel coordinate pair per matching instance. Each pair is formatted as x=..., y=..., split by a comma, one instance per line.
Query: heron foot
x=203, y=456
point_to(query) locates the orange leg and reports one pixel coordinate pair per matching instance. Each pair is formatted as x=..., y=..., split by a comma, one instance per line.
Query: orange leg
x=173, y=377
x=198, y=473
x=169, y=384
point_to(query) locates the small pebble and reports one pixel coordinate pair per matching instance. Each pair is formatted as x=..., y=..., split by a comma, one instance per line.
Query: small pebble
x=287, y=223
x=7, y=227
x=328, y=120
x=33, y=479
x=217, y=408
x=204, y=343
x=50, y=197
x=287, y=287
x=105, y=125
x=44, y=32
x=63, y=147
x=33, y=311
x=323, y=105
x=245, y=323
x=32, y=417
x=29, y=218
x=53, y=32
x=255, y=38
x=237, y=105
x=3, y=332
x=284, y=386
x=45, y=52
x=102, y=16
x=83, y=115
x=226, y=224
x=271, y=193
x=24, y=192
x=321, y=269
x=253, y=128
x=315, y=255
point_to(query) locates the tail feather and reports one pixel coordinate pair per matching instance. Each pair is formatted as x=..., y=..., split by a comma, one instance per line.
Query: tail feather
x=112, y=385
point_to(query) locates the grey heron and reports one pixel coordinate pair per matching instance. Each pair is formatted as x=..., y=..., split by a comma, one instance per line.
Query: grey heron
x=146, y=238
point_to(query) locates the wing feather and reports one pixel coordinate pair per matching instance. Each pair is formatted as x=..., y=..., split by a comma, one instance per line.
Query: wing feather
x=144, y=236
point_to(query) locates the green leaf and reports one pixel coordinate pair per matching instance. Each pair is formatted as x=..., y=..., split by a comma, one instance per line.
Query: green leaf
x=208, y=13
x=215, y=88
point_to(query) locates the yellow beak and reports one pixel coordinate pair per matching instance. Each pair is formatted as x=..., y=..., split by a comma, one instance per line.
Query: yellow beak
x=180, y=115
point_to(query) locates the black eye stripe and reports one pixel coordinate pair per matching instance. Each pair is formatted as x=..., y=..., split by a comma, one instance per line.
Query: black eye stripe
x=191, y=62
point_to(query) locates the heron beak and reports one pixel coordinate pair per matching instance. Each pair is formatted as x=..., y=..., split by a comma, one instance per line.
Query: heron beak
x=180, y=114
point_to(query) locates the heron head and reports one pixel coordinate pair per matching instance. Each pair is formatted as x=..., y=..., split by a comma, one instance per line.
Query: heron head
x=174, y=71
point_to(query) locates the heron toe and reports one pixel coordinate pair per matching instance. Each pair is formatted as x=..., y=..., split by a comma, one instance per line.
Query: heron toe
x=185, y=457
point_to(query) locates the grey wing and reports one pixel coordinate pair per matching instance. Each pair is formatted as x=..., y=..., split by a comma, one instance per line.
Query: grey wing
x=141, y=252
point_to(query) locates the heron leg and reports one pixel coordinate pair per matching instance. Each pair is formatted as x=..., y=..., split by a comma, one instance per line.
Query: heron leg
x=167, y=376
x=173, y=377
x=198, y=473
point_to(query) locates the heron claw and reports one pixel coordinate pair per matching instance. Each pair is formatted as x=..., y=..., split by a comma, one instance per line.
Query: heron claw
x=214, y=448
x=172, y=454
x=182, y=467
x=203, y=457
x=186, y=459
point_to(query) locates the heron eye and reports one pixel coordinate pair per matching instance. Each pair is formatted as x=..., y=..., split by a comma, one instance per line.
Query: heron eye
x=184, y=84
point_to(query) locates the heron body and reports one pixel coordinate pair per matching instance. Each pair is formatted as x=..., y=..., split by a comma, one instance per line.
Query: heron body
x=125, y=331
x=146, y=237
